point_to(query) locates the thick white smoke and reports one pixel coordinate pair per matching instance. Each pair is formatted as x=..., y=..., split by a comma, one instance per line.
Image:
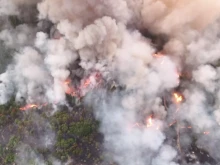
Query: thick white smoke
x=85, y=36
x=25, y=155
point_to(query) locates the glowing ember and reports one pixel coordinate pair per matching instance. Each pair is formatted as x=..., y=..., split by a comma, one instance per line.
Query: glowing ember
x=189, y=127
x=136, y=125
x=178, y=98
x=172, y=123
x=30, y=106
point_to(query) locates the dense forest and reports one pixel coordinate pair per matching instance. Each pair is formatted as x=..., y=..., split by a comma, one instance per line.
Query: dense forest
x=75, y=131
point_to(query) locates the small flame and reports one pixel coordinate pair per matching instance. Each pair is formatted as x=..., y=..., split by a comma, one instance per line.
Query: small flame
x=69, y=89
x=87, y=83
x=67, y=82
x=206, y=133
x=149, y=121
x=158, y=55
x=178, y=98
x=93, y=79
x=29, y=106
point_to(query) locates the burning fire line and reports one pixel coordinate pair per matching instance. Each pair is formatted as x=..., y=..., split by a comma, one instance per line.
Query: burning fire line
x=32, y=106
x=95, y=79
x=29, y=106
x=70, y=90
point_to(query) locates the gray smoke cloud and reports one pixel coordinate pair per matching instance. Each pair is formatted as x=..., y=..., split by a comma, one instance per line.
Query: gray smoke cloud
x=68, y=40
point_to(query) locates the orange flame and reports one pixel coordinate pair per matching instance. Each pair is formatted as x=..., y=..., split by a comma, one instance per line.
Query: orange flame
x=29, y=106
x=149, y=121
x=69, y=89
x=85, y=84
x=206, y=133
x=158, y=55
x=178, y=98
x=88, y=81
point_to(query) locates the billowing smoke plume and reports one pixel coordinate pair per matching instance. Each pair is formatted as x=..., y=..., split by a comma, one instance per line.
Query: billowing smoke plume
x=158, y=61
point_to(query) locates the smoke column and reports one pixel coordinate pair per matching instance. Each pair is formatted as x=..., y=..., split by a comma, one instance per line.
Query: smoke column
x=159, y=61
